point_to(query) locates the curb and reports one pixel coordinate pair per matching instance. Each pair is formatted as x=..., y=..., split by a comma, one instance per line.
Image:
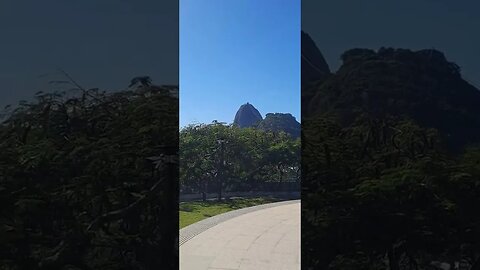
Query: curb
x=194, y=229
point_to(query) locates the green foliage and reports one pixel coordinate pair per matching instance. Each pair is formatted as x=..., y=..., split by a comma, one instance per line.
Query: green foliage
x=249, y=157
x=76, y=188
x=384, y=187
x=387, y=181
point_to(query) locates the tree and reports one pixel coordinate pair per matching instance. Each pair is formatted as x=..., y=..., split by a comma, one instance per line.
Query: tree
x=386, y=189
x=76, y=187
x=234, y=158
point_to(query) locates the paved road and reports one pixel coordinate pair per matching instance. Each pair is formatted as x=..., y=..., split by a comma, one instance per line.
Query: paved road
x=268, y=238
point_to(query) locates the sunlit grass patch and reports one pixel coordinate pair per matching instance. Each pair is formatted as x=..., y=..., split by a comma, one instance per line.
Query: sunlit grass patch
x=191, y=212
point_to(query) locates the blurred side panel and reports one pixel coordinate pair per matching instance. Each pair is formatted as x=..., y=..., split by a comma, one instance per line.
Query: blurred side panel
x=390, y=135
x=89, y=134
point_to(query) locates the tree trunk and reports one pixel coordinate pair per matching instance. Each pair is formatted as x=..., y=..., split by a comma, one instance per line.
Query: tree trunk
x=220, y=171
x=280, y=171
x=204, y=193
x=219, y=189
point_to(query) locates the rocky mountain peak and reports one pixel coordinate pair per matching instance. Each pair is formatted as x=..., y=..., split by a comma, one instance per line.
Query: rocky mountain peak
x=247, y=116
x=277, y=122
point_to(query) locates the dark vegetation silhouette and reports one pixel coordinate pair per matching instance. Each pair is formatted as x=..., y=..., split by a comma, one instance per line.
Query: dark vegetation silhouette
x=141, y=80
x=390, y=163
x=88, y=180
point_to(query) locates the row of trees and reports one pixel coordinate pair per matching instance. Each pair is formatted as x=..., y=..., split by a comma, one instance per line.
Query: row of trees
x=384, y=193
x=88, y=181
x=228, y=157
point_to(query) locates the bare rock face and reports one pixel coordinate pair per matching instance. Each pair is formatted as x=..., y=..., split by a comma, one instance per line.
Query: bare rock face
x=247, y=116
x=278, y=122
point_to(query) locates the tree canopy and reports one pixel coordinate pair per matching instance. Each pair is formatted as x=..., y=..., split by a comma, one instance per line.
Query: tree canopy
x=241, y=158
x=77, y=188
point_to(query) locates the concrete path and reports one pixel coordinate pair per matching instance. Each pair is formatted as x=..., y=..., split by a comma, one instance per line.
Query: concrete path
x=263, y=239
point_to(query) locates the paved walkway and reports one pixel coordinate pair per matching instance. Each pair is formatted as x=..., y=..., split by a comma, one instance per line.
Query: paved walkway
x=261, y=238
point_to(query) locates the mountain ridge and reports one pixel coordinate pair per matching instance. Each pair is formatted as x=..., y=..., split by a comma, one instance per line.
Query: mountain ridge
x=248, y=116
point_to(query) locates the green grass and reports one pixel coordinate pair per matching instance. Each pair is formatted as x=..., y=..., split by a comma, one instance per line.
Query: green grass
x=191, y=212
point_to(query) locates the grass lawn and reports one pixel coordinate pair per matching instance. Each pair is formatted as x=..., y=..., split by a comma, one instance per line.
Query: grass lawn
x=191, y=212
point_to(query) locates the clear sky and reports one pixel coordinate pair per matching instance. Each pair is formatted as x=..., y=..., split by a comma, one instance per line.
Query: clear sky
x=238, y=51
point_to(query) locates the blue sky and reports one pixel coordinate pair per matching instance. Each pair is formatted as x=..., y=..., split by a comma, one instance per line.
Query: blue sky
x=238, y=51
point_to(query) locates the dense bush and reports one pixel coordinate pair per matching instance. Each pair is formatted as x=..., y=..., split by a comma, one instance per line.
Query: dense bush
x=76, y=188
